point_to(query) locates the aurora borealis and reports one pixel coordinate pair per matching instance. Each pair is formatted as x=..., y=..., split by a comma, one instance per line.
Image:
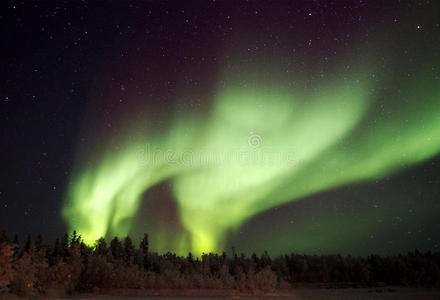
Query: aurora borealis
x=309, y=143
x=196, y=126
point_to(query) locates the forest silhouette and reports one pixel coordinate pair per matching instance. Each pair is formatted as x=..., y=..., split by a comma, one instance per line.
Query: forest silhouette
x=69, y=265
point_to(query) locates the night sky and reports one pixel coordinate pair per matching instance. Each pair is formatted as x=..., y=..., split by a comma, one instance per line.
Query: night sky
x=107, y=108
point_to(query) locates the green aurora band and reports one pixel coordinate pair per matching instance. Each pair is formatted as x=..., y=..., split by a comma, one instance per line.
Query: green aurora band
x=261, y=145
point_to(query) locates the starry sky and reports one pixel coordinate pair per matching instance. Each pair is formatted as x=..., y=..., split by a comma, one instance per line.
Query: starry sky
x=346, y=92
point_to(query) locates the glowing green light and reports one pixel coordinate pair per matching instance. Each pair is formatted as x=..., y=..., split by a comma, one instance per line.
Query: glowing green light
x=262, y=145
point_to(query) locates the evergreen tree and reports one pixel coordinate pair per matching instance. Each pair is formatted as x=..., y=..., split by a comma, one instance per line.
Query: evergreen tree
x=25, y=276
x=84, y=249
x=129, y=250
x=74, y=239
x=4, y=236
x=101, y=247
x=56, y=252
x=15, y=240
x=116, y=248
x=38, y=242
x=27, y=244
x=75, y=264
x=64, y=249
x=16, y=245
x=6, y=264
x=144, y=244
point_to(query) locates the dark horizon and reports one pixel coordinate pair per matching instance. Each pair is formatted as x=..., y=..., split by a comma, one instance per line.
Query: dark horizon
x=121, y=267
x=234, y=250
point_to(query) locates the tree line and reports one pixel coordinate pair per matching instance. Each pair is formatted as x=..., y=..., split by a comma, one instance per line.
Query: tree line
x=69, y=265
